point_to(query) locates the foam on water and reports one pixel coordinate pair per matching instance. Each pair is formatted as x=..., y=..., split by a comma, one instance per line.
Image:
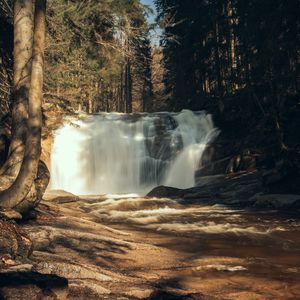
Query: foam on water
x=124, y=154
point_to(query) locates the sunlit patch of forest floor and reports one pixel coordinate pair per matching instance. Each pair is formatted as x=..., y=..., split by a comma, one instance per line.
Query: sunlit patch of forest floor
x=109, y=247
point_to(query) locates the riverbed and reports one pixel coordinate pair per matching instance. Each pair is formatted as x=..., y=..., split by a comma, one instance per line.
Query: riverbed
x=128, y=247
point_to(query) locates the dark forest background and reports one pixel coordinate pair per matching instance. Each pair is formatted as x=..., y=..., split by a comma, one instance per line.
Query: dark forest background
x=237, y=59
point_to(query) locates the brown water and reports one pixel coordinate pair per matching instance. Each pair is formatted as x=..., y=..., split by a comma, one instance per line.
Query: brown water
x=160, y=249
x=219, y=251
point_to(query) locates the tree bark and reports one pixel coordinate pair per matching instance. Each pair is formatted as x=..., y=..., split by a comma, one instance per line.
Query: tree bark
x=128, y=87
x=218, y=68
x=15, y=195
x=23, y=34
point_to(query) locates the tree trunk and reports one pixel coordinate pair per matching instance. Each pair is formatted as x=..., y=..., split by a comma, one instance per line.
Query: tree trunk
x=218, y=69
x=90, y=104
x=122, y=93
x=23, y=34
x=15, y=195
x=128, y=87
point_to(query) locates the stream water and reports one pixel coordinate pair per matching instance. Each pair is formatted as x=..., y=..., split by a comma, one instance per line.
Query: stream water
x=129, y=153
x=170, y=248
x=230, y=253
x=159, y=248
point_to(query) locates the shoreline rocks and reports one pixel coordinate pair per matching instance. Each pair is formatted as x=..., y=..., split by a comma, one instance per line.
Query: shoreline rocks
x=242, y=189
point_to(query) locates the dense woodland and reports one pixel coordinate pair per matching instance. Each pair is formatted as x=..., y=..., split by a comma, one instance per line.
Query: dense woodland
x=99, y=56
x=215, y=50
x=238, y=60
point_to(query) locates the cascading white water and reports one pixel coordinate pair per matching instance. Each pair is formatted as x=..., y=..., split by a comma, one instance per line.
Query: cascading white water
x=129, y=153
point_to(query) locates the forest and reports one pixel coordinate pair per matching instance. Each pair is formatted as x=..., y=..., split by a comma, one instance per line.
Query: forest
x=149, y=149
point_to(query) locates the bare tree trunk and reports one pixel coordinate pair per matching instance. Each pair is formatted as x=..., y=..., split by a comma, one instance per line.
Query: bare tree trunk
x=128, y=87
x=23, y=34
x=218, y=68
x=90, y=102
x=15, y=195
x=122, y=93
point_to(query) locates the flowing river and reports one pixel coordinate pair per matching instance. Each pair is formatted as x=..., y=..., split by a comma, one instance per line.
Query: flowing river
x=158, y=248
x=164, y=249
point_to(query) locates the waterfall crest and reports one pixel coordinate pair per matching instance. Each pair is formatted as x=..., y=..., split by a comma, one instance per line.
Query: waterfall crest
x=129, y=153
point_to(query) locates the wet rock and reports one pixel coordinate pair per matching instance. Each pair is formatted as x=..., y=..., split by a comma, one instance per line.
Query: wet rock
x=208, y=180
x=277, y=201
x=213, y=168
x=210, y=153
x=165, y=191
x=198, y=195
x=275, y=174
x=284, y=178
x=234, y=189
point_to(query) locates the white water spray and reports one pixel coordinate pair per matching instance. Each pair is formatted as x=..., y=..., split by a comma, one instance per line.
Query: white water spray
x=119, y=153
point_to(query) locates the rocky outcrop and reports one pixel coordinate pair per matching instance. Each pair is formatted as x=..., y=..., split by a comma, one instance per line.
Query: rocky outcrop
x=239, y=189
x=276, y=201
x=166, y=192
x=22, y=282
x=14, y=242
x=10, y=214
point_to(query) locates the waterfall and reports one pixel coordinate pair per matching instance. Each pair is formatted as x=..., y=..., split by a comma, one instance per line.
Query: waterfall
x=129, y=153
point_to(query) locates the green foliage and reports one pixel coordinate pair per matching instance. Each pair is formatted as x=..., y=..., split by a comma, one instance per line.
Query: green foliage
x=86, y=51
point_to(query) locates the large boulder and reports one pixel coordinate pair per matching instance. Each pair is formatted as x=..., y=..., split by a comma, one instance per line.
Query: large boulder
x=23, y=282
x=213, y=168
x=165, y=191
x=277, y=201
